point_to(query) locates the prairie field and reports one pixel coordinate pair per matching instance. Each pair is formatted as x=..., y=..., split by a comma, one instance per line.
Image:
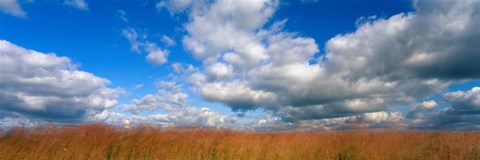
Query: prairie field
x=107, y=142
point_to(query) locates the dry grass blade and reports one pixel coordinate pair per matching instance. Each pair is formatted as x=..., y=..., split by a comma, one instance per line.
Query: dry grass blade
x=105, y=142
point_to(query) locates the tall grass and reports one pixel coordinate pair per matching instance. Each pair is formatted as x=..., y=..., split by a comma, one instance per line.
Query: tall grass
x=105, y=142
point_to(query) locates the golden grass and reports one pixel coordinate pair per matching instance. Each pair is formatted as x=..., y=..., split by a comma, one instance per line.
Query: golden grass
x=105, y=142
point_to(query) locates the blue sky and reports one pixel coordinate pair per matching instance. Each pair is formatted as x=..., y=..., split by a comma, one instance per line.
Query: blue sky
x=255, y=65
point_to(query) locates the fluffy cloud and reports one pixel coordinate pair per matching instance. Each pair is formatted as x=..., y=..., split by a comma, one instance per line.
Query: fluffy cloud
x=79, y=4
x=7, y=123
x=185, y=117
x=465, y=102
x=40, y=88
x=111, y=117
x=44, y=85
x=138, y=43
x=386, y=63
x=427, y=105
x=219, y=71
x=435, y=42
x=196, y=117
x=363, y=80
x=168, y=98
x=12, y=7
x=462, y=112
x=157, y=57
x=236, y=94
x=210, y=27
x=373, y=120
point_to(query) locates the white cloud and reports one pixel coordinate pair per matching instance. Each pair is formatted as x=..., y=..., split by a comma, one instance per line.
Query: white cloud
x=209, y=28
x=138, y=43
x=462, y=112
x=185, y=117
x=79, y=4
x=168, y=41
x=7, y=123
x=196, y=117
x=373, y=120
x=219, y=71
x=464, y=100
x=111, y=117
x=133, y=38
x=180, y=68
x=385, y=63
x=427, y=105
x=157, y=57
x=236, y=94
x=44, y=85
x=249, y=63
x=169, y=98
x=12, y=7
x=197, y=79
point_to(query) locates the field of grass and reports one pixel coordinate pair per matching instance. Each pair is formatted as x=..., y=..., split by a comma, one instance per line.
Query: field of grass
x=104, y=142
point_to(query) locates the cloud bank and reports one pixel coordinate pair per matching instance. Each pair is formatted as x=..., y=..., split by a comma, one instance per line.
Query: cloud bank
x=393, y=71
x=387, y=63
x=43, y=85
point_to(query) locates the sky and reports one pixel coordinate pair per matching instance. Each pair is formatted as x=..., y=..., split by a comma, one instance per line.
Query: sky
x=257, y=65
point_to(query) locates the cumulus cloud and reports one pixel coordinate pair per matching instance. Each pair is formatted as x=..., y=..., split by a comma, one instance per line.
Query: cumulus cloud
x=41, y=88
x=428, y=105
x=79, y=4
x=44, y=85
x=168, y=98
x=180, y=68
x=465, y=102
x=186, y=117
x=12, y=7
x=386, y=63
x=157, y=57
x=219, y=71
x=462, y=112
x=7, y=123
x=249, y=62
x=209, y=28
x=115, y=118
x=373, y=120
x=435, y=42
x=196, y=117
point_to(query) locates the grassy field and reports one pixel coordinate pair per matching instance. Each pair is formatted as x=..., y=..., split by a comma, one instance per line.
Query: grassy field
x=104, y=142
